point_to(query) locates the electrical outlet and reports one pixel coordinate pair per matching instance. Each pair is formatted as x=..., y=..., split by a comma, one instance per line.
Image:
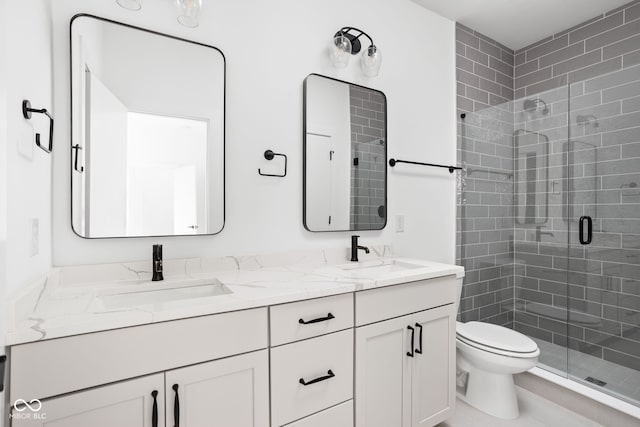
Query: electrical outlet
x=399, y=223
x=35, y=236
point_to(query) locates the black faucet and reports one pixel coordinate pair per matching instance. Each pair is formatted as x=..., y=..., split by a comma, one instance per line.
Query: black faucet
x=157, y=263
x=355, y=247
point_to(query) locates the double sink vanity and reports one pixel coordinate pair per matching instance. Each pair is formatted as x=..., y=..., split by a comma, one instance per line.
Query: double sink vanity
x=307, y=340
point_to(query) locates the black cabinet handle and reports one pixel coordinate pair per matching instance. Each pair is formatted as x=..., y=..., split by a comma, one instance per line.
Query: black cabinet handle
x=319, y=319
x=330, y=374
x=154, y=412
x=413, y=333
x=176, y=407
x=589, y=230
x=419, y=350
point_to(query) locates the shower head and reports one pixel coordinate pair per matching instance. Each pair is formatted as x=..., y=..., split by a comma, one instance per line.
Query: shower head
x=587, y=119
x=531, y=105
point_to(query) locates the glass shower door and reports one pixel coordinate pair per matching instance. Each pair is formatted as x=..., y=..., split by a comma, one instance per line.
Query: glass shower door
x=602, y=183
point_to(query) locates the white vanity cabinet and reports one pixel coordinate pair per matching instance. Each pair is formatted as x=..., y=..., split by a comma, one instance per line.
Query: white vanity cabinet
x=220, y=364
x=405, y=364
x=133, y=403
x=231, y=392
x=312, y=374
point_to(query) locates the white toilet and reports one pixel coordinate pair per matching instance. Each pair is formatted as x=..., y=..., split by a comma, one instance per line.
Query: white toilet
x=487, y=356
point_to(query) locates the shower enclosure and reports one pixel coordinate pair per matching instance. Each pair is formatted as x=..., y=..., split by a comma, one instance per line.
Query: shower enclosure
x=549, y=226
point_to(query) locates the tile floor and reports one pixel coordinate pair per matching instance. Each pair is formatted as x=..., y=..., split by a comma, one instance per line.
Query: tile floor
x=534, y=412
x=621, y=381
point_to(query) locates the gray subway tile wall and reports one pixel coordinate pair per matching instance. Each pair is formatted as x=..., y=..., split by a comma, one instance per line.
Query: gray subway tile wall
x=589, y=78
x=368, y=146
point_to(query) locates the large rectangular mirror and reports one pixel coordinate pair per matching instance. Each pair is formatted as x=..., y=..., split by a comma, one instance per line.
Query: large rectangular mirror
x=147, y=151
x=345, y=156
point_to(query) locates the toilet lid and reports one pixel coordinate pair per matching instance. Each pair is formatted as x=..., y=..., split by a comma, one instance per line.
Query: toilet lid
x=498, y=337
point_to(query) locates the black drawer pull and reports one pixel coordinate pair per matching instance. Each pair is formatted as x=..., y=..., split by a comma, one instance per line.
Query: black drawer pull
x=330, y=374
x=154, y=413
x=176, y=407
x=413, y=335
x=419, y=349
x=319, y=319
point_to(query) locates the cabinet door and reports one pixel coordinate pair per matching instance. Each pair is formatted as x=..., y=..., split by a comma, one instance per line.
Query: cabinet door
x=231, y=392
x=125, y=404
x=383, y=381
x=433, y=370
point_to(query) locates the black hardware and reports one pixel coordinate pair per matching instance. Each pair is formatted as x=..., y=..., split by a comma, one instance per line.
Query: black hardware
x=330, y=374
x=419, y=350
x=27, y=113
x=157, y=263
x=269, y=155
x=589, y=230
x=355, y=247
x=176, y=407
x=77, y=148
x=319, y=319
x=355, y=43
x=463, y=115
x=3, y=361
x=413, y=333
x=393, y=162
x=154, y=413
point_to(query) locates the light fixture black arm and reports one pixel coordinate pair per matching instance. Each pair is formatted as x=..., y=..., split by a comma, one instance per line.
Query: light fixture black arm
x=354, y=39
x=27, y=113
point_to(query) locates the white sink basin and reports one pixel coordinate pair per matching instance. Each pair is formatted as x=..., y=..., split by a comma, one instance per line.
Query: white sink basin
x=378, y=267
x=179, y=291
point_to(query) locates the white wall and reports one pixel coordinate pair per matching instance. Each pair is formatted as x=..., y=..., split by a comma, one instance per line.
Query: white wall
x=270, y=48
x=29, y=177
x=3, y=179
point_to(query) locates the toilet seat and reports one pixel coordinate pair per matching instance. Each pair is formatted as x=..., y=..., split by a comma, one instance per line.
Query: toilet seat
x=496, y=339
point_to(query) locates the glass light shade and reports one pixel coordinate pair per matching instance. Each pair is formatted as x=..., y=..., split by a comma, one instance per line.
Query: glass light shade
x=130, y=4
x=371, y=60
x=189, y=12
x=340, y=51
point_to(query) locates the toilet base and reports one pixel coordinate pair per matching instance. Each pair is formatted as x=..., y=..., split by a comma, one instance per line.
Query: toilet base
x=491, y=393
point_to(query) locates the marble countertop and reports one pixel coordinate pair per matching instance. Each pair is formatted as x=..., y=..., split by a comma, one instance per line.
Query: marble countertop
x=84, y=299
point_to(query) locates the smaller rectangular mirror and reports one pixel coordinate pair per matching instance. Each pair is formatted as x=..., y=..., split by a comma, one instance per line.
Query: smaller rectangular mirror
x=345, y=156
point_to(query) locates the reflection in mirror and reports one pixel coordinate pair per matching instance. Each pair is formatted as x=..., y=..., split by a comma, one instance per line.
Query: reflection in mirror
x=148, y=132
x=345, y=156
x=532, y=177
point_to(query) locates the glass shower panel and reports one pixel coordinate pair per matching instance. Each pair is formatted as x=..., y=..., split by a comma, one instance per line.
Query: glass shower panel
x=540, y=229
x=485, y=214
x=603, y=189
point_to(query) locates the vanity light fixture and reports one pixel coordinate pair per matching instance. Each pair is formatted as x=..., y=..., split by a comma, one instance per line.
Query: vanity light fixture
x=188, y=10
x=346, y=42
x=130, y=4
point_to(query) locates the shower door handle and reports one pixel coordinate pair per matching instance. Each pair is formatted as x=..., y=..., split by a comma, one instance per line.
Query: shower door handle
x=581, y=222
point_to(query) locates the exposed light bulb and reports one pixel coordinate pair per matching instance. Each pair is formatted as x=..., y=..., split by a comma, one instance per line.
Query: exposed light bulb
x=188, y=12
x=340, y=51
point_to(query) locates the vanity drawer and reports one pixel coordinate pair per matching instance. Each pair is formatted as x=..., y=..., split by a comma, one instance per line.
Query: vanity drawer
x=329, y=357
x=384, y=303
x=306, y=319
x=338, y=416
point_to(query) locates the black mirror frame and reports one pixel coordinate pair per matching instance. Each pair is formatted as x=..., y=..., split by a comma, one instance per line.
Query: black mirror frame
x=74, y=150
x=304, y=156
